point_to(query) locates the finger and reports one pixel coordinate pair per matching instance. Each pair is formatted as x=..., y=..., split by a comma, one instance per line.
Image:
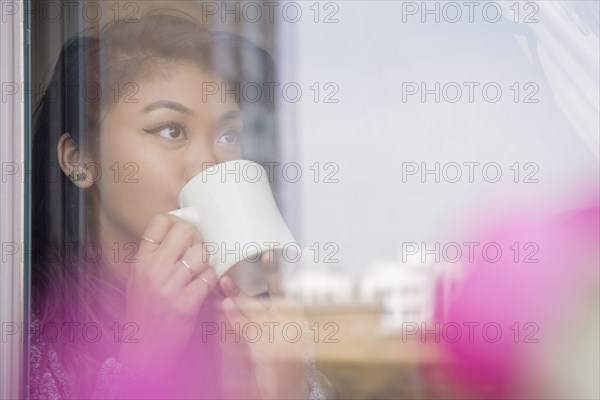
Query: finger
x=179, y=238
x=155, y=233
x=218, y=291
x=270, y=270
x=233, y=313
x=251, y=308
x=228, y=287
x=201, y=286
x=194, y=258
x=197, y=236
x=268, y=258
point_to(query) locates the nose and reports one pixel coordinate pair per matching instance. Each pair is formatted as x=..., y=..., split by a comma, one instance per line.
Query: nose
x=200, y=156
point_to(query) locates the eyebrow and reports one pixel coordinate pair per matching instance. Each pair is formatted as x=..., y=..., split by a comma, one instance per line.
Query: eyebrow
x=167, y=104
x=230, y=115
x=172, y=105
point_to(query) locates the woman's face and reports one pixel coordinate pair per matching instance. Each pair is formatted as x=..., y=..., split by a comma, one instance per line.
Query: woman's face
x=151, y=148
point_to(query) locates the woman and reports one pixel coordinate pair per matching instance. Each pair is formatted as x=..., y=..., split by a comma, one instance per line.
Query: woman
x=122, y=293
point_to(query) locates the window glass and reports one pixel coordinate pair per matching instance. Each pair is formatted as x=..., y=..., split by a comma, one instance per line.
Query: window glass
x=338, y=199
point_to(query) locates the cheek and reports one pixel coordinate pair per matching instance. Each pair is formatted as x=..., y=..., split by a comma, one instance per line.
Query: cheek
x=134, y=186
x=228, y=155
x=127, y=165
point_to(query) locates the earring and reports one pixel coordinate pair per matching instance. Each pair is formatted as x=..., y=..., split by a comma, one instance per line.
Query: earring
x=76, y=177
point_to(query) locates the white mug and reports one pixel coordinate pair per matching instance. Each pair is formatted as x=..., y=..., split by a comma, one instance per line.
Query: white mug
x=232, y=206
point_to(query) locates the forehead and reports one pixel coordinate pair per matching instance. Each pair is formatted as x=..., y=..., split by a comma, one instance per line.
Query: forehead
x=200, y=90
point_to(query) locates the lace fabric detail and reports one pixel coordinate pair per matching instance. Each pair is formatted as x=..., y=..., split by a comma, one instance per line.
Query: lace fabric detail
x=50, y=382
x=315, y=390
x=115, y=380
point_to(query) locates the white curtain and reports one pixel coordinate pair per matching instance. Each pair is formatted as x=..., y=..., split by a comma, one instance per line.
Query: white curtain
x=567, y=45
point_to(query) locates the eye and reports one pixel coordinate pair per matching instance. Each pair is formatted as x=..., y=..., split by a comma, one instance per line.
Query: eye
x=229, y=137
x=169, y=130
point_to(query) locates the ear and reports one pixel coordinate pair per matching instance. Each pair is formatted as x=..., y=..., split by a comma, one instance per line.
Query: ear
x=72, y=163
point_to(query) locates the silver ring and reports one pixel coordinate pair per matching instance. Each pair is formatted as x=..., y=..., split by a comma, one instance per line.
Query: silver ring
x=185, y=264
x=205, y=280
x=147, y=239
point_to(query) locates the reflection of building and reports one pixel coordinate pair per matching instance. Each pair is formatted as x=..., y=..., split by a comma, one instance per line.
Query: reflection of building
x=321, y=286
x=405, y=290
x=409, y=292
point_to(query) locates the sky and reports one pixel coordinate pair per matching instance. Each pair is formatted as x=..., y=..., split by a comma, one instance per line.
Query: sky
x=372, y=133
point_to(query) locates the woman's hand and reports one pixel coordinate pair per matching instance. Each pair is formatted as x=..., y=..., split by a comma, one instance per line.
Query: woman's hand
x=164, y=296
x=277, y=357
